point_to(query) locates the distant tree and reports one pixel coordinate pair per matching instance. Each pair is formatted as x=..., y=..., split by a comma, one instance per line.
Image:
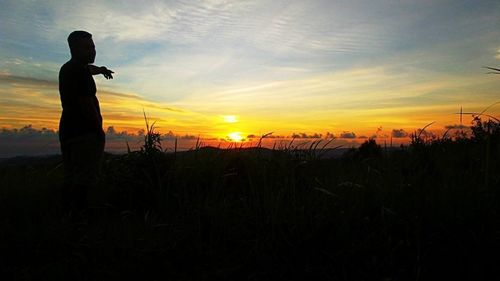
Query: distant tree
x=370, y=149
x=481, y=130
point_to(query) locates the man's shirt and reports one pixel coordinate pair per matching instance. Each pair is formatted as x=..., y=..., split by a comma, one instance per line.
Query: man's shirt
x=76, y=81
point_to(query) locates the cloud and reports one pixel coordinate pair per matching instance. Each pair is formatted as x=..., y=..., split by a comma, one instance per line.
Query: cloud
x=28, y=131
x=36, y=101
x=456, y=127
x=399, y=133
x=306, y=136
x=30, y=141
x=377, y=93
x=113, y=133
x=328, y=135
x=182, y=38
x=172, y=136
x=278, y=27
x=498, y=54
x=347, y=135
x=115, y=96
x=267, y=136
x=20, y=80
x=172, y=22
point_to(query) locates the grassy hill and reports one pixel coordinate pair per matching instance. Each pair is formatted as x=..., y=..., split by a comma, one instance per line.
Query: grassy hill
x=426, y=211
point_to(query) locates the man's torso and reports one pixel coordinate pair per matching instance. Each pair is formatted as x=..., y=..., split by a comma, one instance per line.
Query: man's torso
x=75, y=81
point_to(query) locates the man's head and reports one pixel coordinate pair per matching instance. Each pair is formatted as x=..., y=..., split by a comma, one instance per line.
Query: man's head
x=82, y=46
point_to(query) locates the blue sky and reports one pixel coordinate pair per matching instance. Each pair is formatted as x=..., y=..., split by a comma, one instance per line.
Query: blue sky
x=285, y=66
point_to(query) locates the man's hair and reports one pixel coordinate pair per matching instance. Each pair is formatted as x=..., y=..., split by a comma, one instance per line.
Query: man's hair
x=75, y=37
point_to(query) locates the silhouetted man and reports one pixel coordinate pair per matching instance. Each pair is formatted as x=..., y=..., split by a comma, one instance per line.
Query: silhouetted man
x=80, y=129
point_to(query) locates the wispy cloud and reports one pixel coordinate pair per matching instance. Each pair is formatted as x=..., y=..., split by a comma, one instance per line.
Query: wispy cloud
x=376, y=96
x=281, y=26
x=26, y=100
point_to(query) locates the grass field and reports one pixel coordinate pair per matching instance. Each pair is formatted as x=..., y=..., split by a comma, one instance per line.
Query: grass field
x=426, y=211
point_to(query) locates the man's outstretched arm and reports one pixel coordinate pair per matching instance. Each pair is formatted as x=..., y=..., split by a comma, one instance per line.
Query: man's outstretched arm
x=96, y=70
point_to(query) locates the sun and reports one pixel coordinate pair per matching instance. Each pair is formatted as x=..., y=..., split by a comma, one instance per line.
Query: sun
x=230, y=118
x=236, y=136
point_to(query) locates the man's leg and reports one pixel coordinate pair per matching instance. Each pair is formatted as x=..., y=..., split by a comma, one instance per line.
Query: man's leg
x=84, y=157
x=66, y=192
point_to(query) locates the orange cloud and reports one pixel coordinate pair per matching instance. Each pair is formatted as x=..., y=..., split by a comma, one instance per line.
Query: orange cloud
x=26, y=100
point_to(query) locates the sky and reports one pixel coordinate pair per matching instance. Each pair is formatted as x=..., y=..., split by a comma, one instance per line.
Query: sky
x=225, y=70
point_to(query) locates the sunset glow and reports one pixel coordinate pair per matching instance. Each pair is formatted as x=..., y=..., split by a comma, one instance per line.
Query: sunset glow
x=227, y=70
x=230, y=119
x=236, y=136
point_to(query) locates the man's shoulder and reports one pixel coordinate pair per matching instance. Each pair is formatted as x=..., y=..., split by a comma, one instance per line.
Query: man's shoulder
x=69, y=67
x=69, y=72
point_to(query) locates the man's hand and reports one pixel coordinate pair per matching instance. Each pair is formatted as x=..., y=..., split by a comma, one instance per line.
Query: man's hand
x=94, y=70
x=106, y=72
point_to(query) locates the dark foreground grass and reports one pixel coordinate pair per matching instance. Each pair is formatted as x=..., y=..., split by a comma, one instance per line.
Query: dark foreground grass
x=424, y=212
